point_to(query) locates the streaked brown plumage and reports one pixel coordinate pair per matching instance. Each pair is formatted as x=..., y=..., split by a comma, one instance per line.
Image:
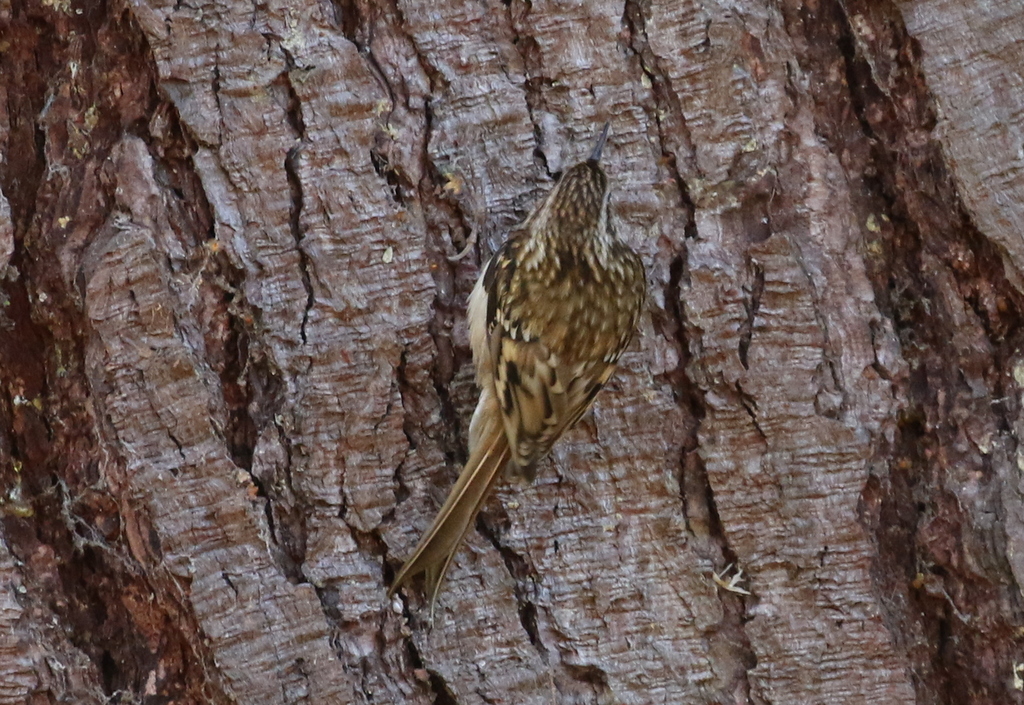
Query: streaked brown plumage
x=549, y=316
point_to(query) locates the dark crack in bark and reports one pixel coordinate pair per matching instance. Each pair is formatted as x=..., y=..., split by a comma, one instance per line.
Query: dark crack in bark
x=924, y=251
x=536, y=83
x=524, y=575
x=71, y=537
x=698, y=501
x=666, y=106
x=753, y=305
x=292, y=170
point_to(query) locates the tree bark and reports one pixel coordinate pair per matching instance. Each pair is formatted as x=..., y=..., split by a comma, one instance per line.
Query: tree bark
x=235, y=380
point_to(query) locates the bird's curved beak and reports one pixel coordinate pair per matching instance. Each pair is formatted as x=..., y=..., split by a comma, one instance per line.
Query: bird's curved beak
x=595, y=156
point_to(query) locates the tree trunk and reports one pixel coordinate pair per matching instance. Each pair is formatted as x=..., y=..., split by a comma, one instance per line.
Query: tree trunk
x=235, y=380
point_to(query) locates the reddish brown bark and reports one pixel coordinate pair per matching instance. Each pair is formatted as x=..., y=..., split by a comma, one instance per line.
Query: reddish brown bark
x=235, y=375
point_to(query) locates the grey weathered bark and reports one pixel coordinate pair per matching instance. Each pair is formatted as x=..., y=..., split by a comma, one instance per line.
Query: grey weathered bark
x=236, y=379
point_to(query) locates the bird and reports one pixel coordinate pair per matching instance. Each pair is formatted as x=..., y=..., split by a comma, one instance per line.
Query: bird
x=549, y=316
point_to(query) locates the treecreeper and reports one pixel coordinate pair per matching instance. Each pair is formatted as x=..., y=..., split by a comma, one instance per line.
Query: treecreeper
x=549, y=317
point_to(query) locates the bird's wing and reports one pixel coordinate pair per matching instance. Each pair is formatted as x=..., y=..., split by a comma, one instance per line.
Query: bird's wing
x=541, y=396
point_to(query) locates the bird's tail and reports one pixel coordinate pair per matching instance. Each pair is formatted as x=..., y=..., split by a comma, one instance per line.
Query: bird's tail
x=435, y=550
